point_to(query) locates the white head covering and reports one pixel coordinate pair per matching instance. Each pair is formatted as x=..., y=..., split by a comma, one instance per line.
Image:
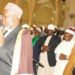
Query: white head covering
x=38, y=29
x=70, y=31
x=51, y=27
x=14, y=9
x=62, y=28
x=34, y=26
x=25, y=26
x=31, y=28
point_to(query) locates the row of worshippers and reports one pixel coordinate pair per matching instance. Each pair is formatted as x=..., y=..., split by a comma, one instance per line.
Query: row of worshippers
x=53, y=50
x=40, y=50
x=39, y=40
x=17, y=54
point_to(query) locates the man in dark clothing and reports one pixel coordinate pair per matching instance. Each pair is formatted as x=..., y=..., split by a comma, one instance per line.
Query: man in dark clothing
x=46, y=45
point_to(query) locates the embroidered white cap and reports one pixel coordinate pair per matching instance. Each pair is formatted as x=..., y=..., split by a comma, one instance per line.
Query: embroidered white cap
x=51, y=27
x=13, y=9
x=70, y=31
x=34, y=26
x=38, y=29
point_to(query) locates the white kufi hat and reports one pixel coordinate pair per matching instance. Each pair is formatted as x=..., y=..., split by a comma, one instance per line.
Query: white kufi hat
x=38, y=29
x=25, y=26
x=14, y=9
x=51, y=27
x=70, y=31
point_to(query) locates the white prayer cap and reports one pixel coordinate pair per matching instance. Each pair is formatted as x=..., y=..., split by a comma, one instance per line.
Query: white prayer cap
x=34, y=26
x=25, y=26
x=31, y=28
x=51, y=27
x=62, y=28
x=70, y=31
x=14, y=9
x=38, y=29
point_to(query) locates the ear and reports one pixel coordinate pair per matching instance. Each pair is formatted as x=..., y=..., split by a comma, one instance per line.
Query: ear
x=16, y=20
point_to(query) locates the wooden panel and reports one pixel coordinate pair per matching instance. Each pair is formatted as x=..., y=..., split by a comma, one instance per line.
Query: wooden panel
x=24, y=6
x=43, y=15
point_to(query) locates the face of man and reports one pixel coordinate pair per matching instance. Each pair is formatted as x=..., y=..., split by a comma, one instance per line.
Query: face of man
x=36, y=32
x=9, y=21
x=50, y=32
x=67, y=36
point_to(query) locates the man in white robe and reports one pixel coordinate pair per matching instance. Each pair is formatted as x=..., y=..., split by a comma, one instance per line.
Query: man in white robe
x=63, y=51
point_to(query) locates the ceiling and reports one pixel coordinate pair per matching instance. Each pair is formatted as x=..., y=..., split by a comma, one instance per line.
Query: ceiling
x=43, y=13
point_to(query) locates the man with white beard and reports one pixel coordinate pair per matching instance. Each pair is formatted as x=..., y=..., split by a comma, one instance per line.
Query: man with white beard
x=63, y=51
x=11, y=24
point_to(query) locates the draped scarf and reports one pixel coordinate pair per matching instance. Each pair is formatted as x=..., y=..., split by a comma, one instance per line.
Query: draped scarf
x=23, y=54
